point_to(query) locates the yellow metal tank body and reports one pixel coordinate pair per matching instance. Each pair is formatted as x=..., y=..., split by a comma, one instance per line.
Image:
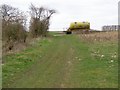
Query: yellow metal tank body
x=79, y=25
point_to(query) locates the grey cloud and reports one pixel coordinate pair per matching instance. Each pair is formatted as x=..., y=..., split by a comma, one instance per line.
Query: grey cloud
x=98, y=12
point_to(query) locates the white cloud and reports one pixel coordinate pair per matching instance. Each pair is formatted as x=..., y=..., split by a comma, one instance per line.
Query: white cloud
x=97, y=12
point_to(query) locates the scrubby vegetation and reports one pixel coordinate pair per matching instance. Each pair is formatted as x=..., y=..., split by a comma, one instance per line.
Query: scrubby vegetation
x=14, y=30
x=13, y=26
x=39, y=23
x=100, y=37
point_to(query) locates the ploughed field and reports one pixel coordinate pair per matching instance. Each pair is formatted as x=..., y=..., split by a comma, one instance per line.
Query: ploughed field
x=65, y=61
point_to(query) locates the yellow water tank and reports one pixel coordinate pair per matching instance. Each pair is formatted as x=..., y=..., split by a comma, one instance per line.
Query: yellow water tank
x=79, y=25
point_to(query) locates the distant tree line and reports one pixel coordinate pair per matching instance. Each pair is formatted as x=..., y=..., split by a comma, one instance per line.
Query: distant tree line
x=14, y=23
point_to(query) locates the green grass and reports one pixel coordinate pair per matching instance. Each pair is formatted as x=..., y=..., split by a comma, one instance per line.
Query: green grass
x=62, y=61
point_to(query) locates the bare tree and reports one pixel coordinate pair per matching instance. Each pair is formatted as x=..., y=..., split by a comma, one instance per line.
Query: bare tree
x=40, y=18
x=13, y=24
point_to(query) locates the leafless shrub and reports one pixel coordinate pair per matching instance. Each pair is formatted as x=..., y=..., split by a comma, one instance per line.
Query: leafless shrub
x=13, y=26
x=40, y=18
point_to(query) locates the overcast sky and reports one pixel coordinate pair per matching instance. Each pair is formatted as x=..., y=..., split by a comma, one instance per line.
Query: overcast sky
x=97, y=12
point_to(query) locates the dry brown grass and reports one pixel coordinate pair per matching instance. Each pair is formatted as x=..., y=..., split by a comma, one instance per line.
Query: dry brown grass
x=100, y=37
x=18, y=46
